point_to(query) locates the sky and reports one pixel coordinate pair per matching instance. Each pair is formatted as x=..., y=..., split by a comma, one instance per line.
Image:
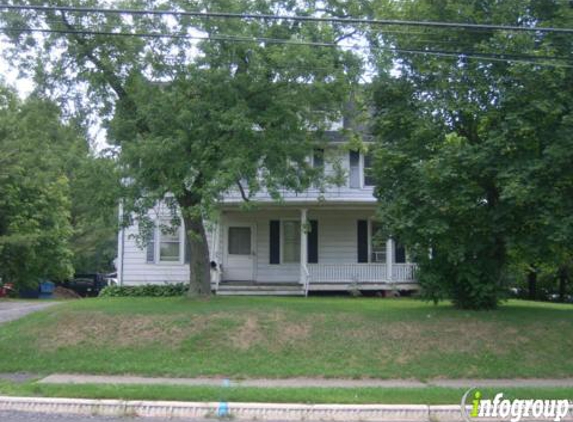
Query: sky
x=24, y=86
x=10, y=75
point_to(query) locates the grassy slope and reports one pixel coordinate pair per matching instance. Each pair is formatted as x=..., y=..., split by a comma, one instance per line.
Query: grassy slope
x=274, y=337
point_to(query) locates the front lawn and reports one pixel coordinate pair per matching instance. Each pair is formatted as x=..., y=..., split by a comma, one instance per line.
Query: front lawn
x=288, y=337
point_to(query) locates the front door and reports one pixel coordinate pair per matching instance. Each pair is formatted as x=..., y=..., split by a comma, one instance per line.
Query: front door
x=240, y=252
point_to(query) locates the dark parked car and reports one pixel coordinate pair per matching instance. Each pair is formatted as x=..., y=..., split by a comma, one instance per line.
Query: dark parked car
x=87, y=285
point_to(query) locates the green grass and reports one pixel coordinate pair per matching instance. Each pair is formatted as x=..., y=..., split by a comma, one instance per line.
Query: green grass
x=288, y=337
x=430, y=395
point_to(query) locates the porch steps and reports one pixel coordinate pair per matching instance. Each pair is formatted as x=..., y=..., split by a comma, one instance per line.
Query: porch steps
x=260, y=289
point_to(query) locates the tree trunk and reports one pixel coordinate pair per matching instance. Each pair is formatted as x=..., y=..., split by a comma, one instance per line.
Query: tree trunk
x=196, y=239
x=532, y=283
x=199, y=263
x=563, y=278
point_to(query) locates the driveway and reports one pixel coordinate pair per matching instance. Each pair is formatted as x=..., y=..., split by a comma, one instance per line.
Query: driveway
x=14, y=309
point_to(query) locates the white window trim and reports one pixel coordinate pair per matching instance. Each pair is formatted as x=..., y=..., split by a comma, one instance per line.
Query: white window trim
x=282, y=240
x=157, y=245
x=363, y=173
x=348, y=184
x=228, y=237
x=370, y=235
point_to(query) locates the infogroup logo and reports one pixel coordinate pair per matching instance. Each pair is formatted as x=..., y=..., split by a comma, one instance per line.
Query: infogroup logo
x=513, y=410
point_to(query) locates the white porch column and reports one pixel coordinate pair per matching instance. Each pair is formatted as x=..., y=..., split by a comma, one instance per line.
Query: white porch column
x=303, y=245
x=389, y=257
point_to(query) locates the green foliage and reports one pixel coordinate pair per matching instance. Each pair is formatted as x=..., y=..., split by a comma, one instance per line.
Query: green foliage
x=471, y=159
x=147, y=290
x=94, y=192
x=35, y=227
x=195, y=126
x=57, y=201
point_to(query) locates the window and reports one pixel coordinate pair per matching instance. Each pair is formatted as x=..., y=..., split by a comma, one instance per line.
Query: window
x=318, y=159
x=368, y=176
x=169, y=246
x=354, y=169
x=399, y=253
x=291, y=241
x=239, y=241
x=377, y=244
x=318, y=164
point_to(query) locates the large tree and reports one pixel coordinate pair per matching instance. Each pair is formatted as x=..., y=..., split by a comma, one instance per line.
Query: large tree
x=471, y=160
x=35, y=227
x=194, y=119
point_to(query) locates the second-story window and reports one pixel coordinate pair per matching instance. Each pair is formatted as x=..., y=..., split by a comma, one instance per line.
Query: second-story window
x=354, y=169
x=318, y=164
x=318, y=159
x=368, y=176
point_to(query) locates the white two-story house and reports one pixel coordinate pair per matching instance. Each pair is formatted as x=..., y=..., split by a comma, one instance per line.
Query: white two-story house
x=320, y=240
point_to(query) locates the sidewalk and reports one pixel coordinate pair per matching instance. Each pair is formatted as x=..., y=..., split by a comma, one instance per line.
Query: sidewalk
x=305, y=382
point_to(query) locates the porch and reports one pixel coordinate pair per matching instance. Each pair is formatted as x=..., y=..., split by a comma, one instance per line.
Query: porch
x=307, y=250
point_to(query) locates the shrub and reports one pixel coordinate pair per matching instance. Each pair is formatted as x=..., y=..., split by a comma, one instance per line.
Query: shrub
x=146, y=290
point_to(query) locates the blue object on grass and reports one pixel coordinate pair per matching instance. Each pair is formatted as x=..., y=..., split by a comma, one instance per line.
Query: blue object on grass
x=46, y=289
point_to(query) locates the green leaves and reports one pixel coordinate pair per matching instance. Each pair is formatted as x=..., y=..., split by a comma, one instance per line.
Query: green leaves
x=467, y=165
x=35, y=227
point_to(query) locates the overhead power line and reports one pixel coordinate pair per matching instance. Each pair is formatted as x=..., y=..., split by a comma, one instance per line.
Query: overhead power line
x=493, y=57
x=229, y=15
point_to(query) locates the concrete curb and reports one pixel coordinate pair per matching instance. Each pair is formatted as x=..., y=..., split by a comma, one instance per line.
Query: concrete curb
x=243, y=411
x=238, y=411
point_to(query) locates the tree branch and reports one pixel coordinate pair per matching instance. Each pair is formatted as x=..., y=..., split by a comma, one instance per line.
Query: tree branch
x=242, y=190
x=111, y=78
x=345, y=36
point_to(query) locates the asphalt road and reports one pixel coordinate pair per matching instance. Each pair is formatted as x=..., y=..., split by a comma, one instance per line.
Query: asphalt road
x=14, y=309
x=50, y=417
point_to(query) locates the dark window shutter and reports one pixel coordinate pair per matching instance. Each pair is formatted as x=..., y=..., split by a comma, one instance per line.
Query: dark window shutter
x=150, y=254
x=275, y=242
x=312, y=240
x=362, y=241
x=399, y=254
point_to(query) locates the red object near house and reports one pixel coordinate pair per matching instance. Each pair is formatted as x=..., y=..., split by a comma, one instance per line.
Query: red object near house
x=6, y=289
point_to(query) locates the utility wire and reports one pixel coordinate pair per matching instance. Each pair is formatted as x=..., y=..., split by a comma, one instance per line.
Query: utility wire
x=525, y=59
x=228, y=15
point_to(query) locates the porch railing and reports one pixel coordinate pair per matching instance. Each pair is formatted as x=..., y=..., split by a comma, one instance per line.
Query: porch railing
x=340, y=273
x=403, y=272
x=360, y=273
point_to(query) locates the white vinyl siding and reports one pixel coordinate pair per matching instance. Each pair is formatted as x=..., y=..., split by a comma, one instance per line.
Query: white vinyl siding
x=336, y=239
x=337, y=243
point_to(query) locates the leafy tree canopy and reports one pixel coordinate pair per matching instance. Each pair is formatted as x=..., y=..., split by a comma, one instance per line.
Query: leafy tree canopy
x=471, y=159
x=194, y=118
